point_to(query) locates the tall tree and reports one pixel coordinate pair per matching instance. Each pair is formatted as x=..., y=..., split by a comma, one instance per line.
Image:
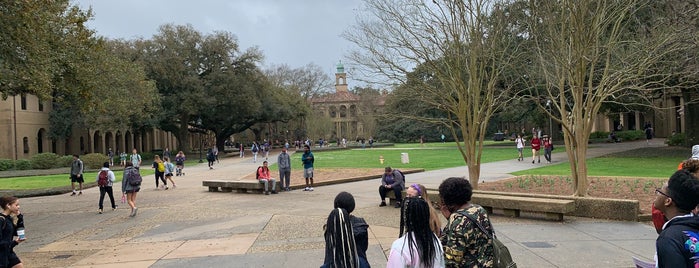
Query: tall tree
x=462, y=50
x=585, y=55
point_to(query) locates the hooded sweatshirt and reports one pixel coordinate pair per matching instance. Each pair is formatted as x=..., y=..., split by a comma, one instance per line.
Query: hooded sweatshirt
x=678, y=243
x=695, y=152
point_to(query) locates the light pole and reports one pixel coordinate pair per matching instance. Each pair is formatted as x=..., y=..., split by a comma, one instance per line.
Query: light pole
x=548, y=105
x=201, y=139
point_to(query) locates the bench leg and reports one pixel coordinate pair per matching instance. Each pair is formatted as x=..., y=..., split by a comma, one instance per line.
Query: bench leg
x=511, y=212
x=213, y=189
x=489, y=210
x=226, y=189
x=554, y=216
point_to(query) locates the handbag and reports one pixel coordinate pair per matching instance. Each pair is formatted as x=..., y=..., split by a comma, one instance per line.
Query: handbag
x=501, y=255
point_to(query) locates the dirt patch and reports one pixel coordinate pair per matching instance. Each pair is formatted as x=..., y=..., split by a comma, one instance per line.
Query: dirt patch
x=641, y=189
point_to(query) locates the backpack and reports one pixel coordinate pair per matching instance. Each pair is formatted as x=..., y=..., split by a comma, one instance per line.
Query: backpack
x=501, y=255
x=161, y=167
x=102, y=179
x=401, y=174
x=134, y=178
x=257, y=173
x=254, y=148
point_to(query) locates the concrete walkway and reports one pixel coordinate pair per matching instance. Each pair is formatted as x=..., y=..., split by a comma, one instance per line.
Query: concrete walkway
x=191, y=227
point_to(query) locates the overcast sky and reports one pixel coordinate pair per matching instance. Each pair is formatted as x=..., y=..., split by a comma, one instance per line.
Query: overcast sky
x=288, y=32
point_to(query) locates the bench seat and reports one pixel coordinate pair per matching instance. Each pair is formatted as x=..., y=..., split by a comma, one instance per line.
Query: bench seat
x=229, y=186
x=554, y=209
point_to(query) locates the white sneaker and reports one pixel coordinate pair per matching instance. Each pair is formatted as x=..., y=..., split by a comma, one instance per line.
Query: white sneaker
x=306, y=189
x=310, y=189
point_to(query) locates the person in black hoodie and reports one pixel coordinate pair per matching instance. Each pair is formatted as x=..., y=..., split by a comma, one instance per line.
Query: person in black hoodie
x=8, y=229
x=345, y=201
x=678, y=243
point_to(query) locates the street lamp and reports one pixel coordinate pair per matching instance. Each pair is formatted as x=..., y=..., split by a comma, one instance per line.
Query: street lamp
x=201, y=139
x=548, y=105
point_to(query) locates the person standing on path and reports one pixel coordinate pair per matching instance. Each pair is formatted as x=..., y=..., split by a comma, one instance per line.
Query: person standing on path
x=307, y=159
x=136, y=159
x=520, y=142
x=241, y=149
x=110, y=154
x=76, y=174
x=122, y=158
x=284, y=163
x=128, y=189
x=536, y=147
x=109, y=179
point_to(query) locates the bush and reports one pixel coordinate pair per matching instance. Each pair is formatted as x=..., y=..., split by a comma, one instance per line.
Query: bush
x=44, y=160
x=145, y=157
x=6, y=164
x=676, y=140
x=630, y=135
x=599, y=135
x=23, y=164
x=94, y=161
x=64, y=161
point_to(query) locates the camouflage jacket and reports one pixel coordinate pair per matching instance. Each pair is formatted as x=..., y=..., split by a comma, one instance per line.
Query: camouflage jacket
x=465, y=245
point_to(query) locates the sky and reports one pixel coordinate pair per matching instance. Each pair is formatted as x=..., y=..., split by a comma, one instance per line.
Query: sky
x=286, y=31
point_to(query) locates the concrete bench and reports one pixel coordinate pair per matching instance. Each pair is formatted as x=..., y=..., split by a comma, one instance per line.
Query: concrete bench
x=553, y=209
x=392, y=196
x=239, y=186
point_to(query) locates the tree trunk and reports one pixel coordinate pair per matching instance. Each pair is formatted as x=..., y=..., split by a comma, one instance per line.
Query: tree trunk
x=691, y=111
x=182, y=136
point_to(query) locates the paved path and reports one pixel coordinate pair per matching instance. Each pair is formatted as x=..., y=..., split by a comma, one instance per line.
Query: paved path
x=190, y=227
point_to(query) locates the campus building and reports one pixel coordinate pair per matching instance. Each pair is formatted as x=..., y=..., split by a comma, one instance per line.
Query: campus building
x=24, y=126
x=350, y=119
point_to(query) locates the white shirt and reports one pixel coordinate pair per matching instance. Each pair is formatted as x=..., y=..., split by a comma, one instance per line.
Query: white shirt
x=400, y=254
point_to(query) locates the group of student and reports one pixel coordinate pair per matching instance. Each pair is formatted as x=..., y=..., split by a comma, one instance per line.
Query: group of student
x=536, y=144
x=422, y=242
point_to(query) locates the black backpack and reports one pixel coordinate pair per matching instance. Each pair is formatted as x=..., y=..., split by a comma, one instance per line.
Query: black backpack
x=134, y=178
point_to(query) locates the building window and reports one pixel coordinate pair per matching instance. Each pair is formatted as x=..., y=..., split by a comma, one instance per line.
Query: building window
x=41, y=106
x=333, y=112
x=25, y=142
x=343, y=111
x=23, y=102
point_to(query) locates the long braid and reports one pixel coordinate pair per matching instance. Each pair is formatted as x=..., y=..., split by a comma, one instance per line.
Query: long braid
x=340, y=240
x=419, y=232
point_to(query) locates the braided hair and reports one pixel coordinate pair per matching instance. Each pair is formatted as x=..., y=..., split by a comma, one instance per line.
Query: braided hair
x=415, y=220
x=339, y=241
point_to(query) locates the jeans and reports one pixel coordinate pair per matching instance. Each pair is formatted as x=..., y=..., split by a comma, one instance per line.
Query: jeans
x=266, y=183
x=547, y=154
x=396, y=190
x=285, y=177
x=107, y=190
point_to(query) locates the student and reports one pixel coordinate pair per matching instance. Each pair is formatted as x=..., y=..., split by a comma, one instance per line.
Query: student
x=419, y=246
x=159, y=167
x=392, y=180
x=345, y=200
x=536, y=146
x=129, y=190
x=419, y=191
x=76, y=174
x=10, y=209
x=179, y=161
x=107, y=188
x=676, y=243
x=169, y=169
x=340, y=248
x=520, y=142
x=308, y=160
x=265, y=178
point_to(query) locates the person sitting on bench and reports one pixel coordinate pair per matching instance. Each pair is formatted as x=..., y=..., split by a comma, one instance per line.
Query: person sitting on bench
x=264, y=177
x=392, y=180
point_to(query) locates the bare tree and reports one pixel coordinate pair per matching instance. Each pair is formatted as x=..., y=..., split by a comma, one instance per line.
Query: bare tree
x=461, y=51
x=307, y=81
x=585, y=55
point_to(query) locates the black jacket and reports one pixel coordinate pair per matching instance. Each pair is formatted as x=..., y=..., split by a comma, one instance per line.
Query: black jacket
x=674, y=242
x=7, y=243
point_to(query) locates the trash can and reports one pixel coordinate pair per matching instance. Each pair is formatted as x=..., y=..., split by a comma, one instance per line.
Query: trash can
x=404, y=158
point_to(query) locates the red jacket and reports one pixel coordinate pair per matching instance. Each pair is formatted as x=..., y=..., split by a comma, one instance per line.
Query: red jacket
x=536, y=143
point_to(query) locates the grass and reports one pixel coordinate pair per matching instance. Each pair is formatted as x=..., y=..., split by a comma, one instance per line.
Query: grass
x=643, y=162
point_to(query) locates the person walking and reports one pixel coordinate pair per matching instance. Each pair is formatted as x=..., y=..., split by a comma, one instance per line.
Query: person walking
x=419, y=246
x=254, y=149
x=307, y=160
x=520, y=142
x=241, y=149
x=159, y=168
x=129, y=187
x=210, y=157
x=284, y=163
x=110, y=154
x=105, y=180
x=548, y=148
x=536, y=147
x=76, y=174
x=136, y=159
x=122, y=158
x=169, y=170
x=10, y=209
x=179, y=161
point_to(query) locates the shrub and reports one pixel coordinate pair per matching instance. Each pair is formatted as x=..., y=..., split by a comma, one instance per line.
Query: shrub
x=94, y=160
x=44, y=160
x=599, y=135
x=6, y=164
x=64, y=161
x=676, y=140
x=146, y=156
x=630, y=135
x=23, y=164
